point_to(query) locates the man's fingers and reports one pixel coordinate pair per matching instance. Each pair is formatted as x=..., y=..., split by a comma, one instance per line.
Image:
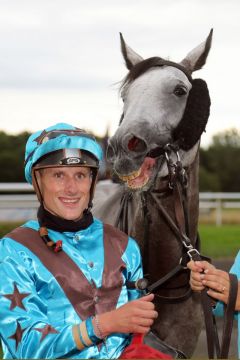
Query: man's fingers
x=145, y=302
x=141, y=329
x=148, y=314
x=141, y=321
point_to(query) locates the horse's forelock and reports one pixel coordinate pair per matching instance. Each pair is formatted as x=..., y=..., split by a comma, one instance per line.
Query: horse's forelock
x=141, y=68
x=147, y=64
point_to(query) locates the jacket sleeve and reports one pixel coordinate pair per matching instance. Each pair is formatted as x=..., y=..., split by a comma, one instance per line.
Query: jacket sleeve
x=235, y=269
x=25, y=329
x=133, y=259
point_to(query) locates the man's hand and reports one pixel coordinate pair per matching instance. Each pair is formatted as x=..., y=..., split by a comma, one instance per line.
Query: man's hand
x=137, y=316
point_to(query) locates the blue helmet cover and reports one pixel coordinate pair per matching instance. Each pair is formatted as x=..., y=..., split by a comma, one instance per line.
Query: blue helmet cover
x=35, y=150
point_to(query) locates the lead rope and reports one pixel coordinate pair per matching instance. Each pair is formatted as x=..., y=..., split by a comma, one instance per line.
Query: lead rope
x=211, y=329
x=180, y=213
x=147, y=221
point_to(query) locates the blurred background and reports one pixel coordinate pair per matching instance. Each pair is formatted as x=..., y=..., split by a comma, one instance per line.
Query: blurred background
x=60, y=59
x=61, y=62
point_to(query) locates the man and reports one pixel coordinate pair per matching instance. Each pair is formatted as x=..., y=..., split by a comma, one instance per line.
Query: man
x=63, y=277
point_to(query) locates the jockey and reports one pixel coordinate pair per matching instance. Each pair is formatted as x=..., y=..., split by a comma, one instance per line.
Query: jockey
x=63, y=276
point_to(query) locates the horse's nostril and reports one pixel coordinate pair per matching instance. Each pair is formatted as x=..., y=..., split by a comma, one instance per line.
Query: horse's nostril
x=136, y=144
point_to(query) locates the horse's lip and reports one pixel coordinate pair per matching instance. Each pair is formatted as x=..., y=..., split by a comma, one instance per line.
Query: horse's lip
x=138, y=179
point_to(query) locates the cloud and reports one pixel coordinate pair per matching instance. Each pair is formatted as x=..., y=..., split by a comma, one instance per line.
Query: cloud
x=72, y=47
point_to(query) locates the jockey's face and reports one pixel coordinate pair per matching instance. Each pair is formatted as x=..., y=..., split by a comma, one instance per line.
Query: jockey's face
x=65, y=190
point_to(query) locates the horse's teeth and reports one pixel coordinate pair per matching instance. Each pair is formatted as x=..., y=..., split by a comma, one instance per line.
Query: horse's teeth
x=138, y=186
x=131, y=176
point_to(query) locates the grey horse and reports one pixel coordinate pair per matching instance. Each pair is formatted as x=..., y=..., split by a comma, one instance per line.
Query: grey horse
x=162, y=105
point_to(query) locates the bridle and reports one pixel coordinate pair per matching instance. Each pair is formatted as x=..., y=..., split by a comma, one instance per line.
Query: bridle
x=176, y=184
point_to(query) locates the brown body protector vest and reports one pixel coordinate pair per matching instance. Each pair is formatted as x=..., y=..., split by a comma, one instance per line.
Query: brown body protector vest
x=85, y=297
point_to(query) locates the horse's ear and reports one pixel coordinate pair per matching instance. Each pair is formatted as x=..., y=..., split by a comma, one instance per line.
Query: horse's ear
x=196, y=58
x=131, y=57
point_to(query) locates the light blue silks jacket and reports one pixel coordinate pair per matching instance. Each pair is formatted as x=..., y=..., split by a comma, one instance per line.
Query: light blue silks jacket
x=235, y=269
x=37, y=321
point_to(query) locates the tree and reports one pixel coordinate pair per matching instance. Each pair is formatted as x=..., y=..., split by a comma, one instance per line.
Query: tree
x=222, y=161
x=12, y=148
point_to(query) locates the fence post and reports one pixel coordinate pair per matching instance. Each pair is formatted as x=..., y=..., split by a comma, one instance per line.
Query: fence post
x=218, y=212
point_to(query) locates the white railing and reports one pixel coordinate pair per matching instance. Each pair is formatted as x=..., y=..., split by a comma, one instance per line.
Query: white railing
x=17, y=195
x=219, y=201
x=19, y=200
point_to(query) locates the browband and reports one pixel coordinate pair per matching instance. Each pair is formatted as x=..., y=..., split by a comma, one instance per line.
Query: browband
x=162, y=62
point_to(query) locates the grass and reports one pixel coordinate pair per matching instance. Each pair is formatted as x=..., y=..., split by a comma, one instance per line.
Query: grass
x=220, y=241
x=6, y=227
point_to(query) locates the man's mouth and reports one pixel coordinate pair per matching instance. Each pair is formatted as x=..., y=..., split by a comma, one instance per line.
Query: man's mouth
x=138, y=179
x=69, y=202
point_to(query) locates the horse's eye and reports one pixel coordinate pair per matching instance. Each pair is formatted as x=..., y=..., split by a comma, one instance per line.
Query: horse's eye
x=180, y=91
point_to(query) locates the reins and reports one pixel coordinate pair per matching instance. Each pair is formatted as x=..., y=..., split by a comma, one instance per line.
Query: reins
x=177, y=184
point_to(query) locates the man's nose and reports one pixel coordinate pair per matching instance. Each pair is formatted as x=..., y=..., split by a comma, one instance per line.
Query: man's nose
x=71, y=186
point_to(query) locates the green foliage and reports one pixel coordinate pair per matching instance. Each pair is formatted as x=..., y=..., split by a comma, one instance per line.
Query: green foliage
x=220, y=163
x=208, y=181
x=12, y=148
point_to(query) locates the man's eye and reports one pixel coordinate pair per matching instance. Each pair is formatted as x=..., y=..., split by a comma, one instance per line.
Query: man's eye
x=58, y=175
x=81, y=176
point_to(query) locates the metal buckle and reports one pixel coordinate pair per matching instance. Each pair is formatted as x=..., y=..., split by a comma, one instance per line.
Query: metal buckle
x=180, y=263
x=189, y=252
x=186, y=242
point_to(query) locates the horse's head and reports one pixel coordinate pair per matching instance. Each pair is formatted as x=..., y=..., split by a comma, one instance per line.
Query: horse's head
x=162, y=104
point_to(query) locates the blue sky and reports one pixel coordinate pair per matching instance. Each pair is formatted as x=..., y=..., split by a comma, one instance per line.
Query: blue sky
x=60, y=59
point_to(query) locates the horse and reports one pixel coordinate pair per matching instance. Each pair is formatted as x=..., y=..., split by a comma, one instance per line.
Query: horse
x=154, y=151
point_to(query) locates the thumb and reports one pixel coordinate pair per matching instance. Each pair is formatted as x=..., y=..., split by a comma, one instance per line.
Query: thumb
x=148, y=297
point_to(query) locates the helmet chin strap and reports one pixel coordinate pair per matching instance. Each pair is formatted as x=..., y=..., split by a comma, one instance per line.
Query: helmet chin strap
x=43, y=231
x=36, y=187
